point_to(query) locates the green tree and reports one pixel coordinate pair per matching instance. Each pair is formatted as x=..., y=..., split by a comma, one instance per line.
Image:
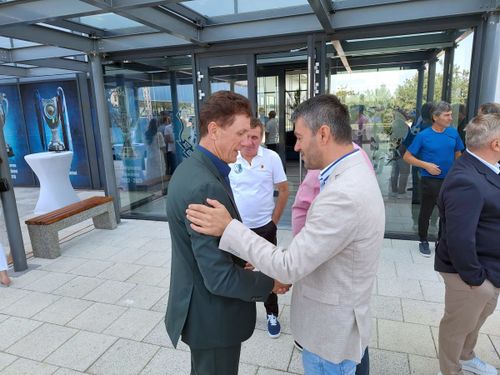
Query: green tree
x=406, y=93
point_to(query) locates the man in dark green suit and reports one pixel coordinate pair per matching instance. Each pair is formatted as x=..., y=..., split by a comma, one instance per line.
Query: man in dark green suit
x=212, y=297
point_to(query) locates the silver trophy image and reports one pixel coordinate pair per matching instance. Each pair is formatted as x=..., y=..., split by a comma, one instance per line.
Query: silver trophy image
x=121, y=118
x=53, y=113
x=4, y=109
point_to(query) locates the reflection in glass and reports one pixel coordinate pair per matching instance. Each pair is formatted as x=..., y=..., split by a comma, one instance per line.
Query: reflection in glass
x=295, y=93
x=382, y=108
x=152, y=130
x=230, y=78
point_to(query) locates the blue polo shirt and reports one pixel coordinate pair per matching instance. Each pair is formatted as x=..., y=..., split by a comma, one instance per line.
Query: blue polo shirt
x=438, y=148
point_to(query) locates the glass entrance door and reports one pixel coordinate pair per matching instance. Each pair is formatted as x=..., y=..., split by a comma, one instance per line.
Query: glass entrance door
x=232, y=73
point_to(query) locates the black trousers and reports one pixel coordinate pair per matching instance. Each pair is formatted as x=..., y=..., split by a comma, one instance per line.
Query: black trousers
x=216, y=361
x=415, y=193
x=430, y=188
x=268, y=232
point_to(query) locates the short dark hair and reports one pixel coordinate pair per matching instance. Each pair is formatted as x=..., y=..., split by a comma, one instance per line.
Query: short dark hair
x=426, y=111
x=489, y=108
x=221, y=107
x=256, y=123
x=326, y=110
x=272, y=114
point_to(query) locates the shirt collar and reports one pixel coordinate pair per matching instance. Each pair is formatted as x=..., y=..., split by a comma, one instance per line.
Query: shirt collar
x=326, y=172
x=221, y=165
x=240, y=157
x=494, y=167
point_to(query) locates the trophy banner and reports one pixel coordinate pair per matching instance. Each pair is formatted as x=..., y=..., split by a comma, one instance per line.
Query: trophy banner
x=54, y=123
x=14, y=128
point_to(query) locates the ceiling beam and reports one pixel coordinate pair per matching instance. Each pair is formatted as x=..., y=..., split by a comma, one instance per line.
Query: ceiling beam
x=396, y=66
x=13, y=71
x=45, y=35
x=323, y=10
x=388, y=45
x=22, y=12
x=37, y=11
x=164, y=22
x=380, y=61
x=404, y=11
x=37, y=72
x=132, y=4
x=41, y=52
x=340, y=53
x=67, y=64
x=390, y=18
x=160, y=20
x=134, y=42
x=78, y=27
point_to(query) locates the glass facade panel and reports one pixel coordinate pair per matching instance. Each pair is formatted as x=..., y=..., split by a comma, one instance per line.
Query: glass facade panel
x=382, y=105
x=209, y=8
x=152, y=130
x=231, y=78
x=267, y=98
x=295, y=93
x=380, y=110
x=107, y=21
x=256, y=5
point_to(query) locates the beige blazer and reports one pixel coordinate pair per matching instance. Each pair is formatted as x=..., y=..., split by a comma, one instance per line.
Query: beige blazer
x=332, y=262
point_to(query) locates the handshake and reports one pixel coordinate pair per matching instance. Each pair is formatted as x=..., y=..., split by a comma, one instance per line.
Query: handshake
x=279, y=288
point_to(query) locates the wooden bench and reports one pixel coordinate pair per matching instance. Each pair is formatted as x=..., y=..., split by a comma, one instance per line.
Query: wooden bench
x=44, y=229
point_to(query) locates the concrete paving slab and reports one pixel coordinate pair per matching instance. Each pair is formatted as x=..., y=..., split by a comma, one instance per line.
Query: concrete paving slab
x=38, y=344
x=125, y=357
x=81, y=351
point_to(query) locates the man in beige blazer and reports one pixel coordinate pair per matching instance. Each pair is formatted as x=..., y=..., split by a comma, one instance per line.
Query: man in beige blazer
x=333, y=261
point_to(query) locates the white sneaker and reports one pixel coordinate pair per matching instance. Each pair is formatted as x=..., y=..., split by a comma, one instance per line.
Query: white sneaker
x=479, y=367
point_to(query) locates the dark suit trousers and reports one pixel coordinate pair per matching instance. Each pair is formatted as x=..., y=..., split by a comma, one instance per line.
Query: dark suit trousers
x=217, y=361
x=268, y=232
x=430, y=192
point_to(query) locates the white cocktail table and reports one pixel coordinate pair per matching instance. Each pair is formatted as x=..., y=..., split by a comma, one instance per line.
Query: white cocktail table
x=52, y=170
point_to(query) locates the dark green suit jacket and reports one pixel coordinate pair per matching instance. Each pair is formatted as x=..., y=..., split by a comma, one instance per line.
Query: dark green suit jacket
x=212, y=298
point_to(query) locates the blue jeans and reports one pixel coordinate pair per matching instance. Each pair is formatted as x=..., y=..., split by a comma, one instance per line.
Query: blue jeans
x=315, y=365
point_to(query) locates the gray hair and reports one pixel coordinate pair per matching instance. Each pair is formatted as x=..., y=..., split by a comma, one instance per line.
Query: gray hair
x=440, y=108
x=326, y=110
x=481, y=130
x=489, y=108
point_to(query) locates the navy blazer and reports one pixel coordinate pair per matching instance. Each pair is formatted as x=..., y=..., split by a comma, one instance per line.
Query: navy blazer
x=469, y=210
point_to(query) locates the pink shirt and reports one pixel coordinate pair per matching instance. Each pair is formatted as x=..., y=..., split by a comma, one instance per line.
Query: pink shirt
x=308, y=190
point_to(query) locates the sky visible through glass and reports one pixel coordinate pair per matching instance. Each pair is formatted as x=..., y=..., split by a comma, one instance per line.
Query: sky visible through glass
x=363, y=81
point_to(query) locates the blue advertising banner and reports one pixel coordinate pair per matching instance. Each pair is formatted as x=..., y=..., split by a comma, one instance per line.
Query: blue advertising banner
x=54, y=123
x=15, y=135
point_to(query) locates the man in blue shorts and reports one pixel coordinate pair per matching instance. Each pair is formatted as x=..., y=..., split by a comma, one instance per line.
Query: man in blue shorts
x=433, y=150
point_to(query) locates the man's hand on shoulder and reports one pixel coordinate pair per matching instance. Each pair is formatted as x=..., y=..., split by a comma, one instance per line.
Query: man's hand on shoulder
x=211, y=220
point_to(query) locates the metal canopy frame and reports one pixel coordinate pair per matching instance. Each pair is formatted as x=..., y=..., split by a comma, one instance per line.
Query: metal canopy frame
x=170, y=27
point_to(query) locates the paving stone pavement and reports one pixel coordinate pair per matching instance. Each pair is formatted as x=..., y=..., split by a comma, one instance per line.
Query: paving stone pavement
x=99, y=308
